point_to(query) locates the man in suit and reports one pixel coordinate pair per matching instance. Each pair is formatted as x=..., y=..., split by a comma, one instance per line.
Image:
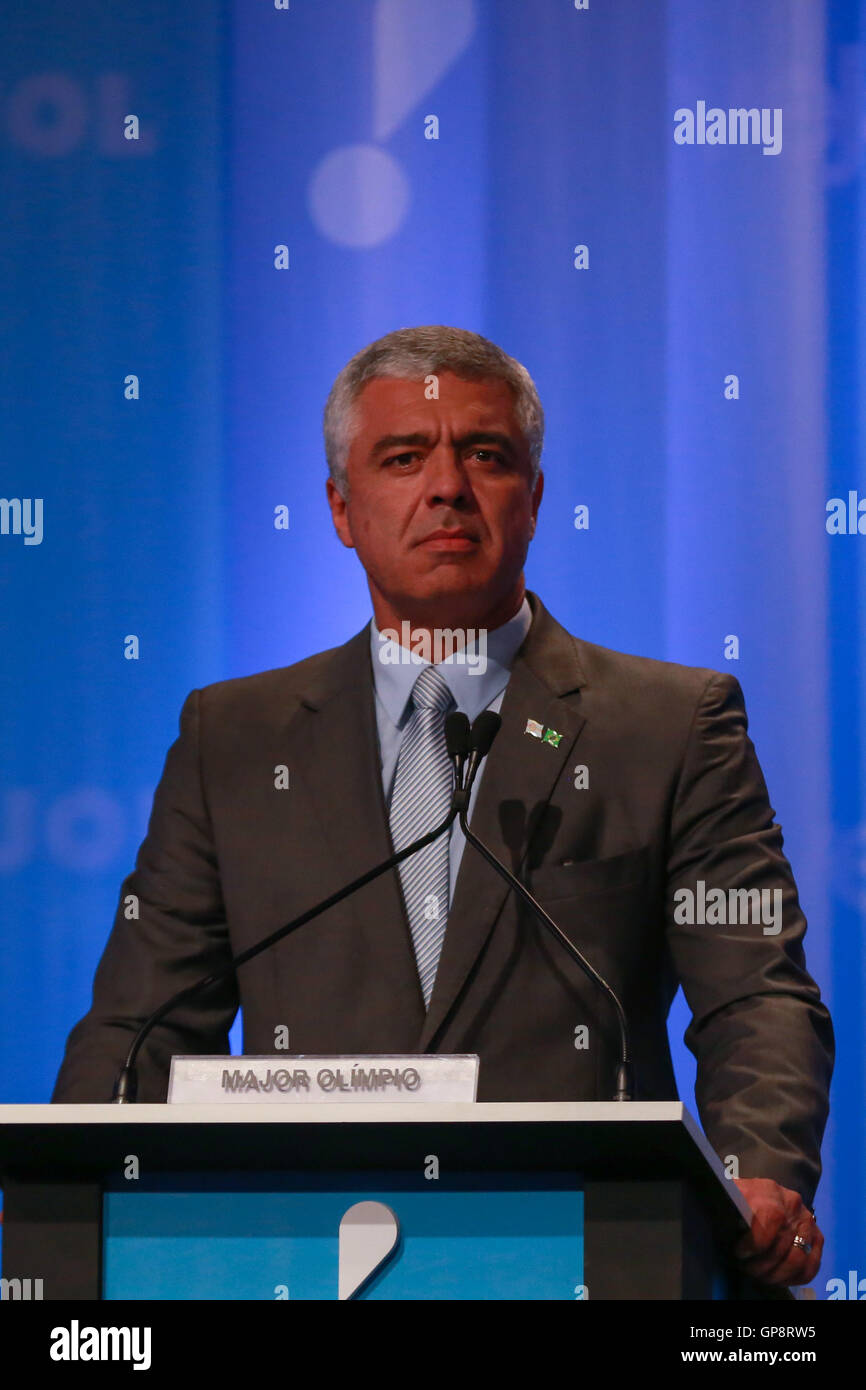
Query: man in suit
x=622, y=790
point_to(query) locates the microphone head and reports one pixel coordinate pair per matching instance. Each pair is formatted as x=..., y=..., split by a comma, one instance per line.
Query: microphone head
x=484, y=731
x=458, y=738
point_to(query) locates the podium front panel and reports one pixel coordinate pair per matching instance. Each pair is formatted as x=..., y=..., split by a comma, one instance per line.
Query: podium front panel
x=275, y=1236
x=537, y=1200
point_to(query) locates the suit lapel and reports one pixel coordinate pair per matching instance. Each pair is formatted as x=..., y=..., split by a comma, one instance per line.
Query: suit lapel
x=337, y=761
x=519, y=777
x=339, y=764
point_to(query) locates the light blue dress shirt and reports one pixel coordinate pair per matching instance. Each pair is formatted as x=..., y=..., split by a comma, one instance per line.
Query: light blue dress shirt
x=473, y=690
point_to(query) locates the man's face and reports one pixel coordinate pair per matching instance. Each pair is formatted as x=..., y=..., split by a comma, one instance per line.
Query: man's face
x=417, y=468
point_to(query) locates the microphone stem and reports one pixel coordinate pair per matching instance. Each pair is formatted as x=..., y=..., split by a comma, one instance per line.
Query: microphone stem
x=625, y=1070
x=125, y=1088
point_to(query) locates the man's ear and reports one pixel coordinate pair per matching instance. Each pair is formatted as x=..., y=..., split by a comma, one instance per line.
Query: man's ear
x=537, y=494
x=339, y=513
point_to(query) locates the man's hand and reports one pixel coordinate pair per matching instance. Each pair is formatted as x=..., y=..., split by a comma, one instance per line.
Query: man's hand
x=768, y=1252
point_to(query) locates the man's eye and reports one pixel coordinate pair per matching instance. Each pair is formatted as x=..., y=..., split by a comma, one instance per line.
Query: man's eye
x=397, y=458
x=491, y=454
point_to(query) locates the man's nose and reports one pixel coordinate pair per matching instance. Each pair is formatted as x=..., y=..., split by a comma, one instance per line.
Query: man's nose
x=445, y=474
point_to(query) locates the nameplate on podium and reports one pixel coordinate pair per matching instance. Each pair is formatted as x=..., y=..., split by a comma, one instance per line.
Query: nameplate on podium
x=316, y=1080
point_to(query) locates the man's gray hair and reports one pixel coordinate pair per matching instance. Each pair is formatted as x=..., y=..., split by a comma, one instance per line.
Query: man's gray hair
x=421, y=352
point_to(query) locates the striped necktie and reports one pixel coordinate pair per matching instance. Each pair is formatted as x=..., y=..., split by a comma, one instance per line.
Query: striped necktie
x=419, y=801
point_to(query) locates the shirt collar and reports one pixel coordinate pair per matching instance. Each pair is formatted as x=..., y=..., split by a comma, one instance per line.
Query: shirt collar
x=475, y=675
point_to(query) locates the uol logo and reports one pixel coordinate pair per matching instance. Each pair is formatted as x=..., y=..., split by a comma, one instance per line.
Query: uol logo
x=359, y=194
x=738, y=125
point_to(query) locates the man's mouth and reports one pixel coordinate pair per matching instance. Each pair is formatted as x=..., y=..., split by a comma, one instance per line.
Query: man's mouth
x=457, y=539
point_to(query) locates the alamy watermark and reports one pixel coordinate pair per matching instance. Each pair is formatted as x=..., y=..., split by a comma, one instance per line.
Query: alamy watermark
x=414, y=646
x=77, y=1343
x=720, y=907
x=22, y=516
x=738, y=125
x=21, y=1290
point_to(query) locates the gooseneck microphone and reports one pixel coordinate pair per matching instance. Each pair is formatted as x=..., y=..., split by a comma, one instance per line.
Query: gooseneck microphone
x=477, y=743
x=126, y=1085
x=484, y=731
x=458, y=741
x=467, y=749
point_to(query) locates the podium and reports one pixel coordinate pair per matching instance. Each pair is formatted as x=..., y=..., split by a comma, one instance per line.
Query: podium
x=599, y=1200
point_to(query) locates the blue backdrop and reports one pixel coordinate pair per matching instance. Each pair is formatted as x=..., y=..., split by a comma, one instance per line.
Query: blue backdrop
x=691, y=312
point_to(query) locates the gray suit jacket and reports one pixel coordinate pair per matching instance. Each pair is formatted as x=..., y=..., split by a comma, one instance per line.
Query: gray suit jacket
x=675, y=795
